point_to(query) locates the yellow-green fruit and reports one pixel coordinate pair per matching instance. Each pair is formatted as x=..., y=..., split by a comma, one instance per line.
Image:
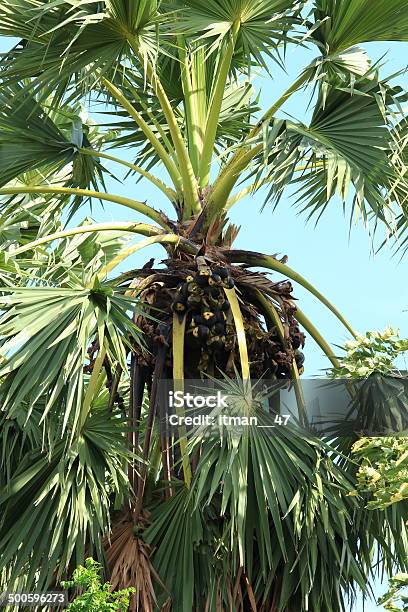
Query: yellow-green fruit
x=208, y=315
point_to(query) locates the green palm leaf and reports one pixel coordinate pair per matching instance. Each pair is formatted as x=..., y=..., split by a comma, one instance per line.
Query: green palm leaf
x=264, y=24
x=343, y=152
x=32, y=137
x=345, y=24
x=55, y=506
x=286, y=514
x=56, y=326
x=68, y=38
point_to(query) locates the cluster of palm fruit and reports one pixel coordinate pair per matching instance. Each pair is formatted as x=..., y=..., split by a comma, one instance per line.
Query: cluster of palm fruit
x=201, y=298
x=194, y=289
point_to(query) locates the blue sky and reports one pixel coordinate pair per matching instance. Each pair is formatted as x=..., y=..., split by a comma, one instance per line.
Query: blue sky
x=370, y=290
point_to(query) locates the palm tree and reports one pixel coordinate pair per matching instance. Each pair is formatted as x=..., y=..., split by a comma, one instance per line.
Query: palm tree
x=88, y=466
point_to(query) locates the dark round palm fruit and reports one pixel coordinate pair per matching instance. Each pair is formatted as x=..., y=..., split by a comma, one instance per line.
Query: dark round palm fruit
x=225, y=306
x=214, y=303
x=214, y=279
x=183, y=290
x=298, y=338
x=163, y=329
x=194, y=301
x=192, y=287
x=214, y=292
x=204, y=332
x=295, y=342
x=202, y=278
x=299, y=358
x=197, y=320
x=201, y=332
x=222, y=272
x=179, y=307
x=230, y=282
x=219, y=329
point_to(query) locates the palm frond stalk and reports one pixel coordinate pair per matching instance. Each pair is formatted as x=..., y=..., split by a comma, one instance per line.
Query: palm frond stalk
x=88, y=464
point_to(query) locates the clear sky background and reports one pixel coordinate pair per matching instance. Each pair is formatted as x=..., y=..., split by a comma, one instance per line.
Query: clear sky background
x=370, y=290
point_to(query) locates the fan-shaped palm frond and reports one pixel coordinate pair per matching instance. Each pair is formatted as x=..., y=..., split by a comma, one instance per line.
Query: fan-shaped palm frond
x=268, y=545
x=31, y=138
x=56, y=505
x=344, y=25
x=56, y=325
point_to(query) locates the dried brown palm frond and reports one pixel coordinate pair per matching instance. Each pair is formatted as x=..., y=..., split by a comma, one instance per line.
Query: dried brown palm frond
x=128, y=561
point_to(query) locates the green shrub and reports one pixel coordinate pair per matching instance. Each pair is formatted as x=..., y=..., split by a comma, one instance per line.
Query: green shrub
x=96, y=597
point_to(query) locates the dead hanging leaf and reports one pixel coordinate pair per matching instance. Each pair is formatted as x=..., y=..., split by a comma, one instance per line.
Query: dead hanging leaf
x=128, y=560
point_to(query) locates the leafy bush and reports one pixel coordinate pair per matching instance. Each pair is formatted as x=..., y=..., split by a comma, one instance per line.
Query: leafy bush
x=395, y=594
x=383, y=469
x=375, y=352
x=96, y=597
